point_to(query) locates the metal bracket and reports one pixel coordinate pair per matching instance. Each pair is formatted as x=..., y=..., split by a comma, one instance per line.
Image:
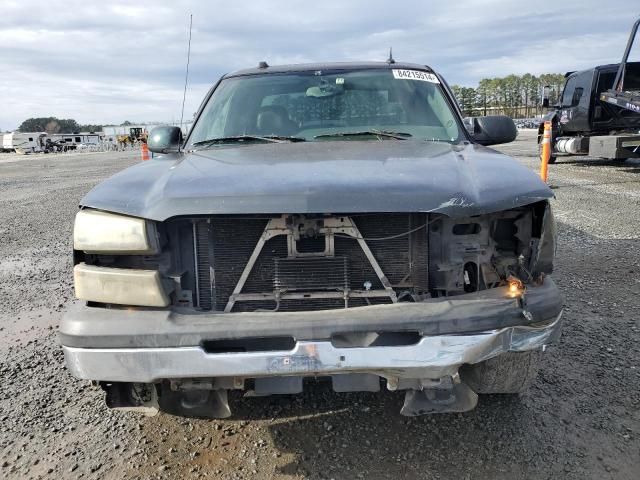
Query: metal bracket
x=459, y=398
x=332, y=225
x=275, y=226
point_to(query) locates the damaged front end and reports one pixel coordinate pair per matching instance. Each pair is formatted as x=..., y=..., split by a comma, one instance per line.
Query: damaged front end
x=262, y=303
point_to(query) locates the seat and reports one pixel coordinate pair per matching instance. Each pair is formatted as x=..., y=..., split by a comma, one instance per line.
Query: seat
x=274, y=120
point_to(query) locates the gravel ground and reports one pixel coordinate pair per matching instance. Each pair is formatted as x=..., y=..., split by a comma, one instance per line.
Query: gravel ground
x=581, y=419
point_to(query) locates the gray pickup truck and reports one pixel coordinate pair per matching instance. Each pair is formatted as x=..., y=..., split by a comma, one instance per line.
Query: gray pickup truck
x=333, y=221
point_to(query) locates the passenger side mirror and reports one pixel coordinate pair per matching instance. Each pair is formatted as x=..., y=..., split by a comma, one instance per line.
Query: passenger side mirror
x=491, y=130
x=165, y=139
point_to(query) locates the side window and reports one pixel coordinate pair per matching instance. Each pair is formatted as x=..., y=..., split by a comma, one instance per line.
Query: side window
x=632, y=76
x=567, y=95
x=31, y=139
x=605, y=81
x=577, y=94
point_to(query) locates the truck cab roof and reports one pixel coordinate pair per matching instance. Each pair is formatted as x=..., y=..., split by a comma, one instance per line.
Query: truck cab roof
x=610, y=67
x=307, y=67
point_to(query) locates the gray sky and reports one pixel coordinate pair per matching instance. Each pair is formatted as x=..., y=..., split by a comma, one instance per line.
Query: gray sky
x=110, y=61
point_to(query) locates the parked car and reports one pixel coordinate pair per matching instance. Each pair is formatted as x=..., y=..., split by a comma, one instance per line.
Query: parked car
x=527, y=123
x=337, y=221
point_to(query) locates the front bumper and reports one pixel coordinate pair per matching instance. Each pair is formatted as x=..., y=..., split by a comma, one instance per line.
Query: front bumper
x=148, y=346
x=431, y=358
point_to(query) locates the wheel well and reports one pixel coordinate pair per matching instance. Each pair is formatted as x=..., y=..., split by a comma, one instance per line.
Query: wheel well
x=554, y=126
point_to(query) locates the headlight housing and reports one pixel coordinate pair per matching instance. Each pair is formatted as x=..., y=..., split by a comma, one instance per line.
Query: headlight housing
x=109, y=233
x=546, y=250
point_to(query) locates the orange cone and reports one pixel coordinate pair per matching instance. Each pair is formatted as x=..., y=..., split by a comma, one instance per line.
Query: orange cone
x=144, y=151
x=545, y=152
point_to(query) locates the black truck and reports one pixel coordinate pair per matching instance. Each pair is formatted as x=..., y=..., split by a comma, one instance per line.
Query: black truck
x=599, y=111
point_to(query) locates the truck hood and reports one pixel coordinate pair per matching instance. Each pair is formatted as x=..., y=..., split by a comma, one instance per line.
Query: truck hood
x=322, y=177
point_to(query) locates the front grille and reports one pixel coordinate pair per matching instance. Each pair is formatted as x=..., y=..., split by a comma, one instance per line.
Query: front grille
x=230, y=241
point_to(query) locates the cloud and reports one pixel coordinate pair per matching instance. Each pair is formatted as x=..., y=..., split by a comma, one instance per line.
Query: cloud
x=104, y=62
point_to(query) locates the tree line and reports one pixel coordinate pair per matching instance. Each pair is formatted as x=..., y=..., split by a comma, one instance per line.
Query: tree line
x=56, y=125
x=60, y=125
x=519, y=96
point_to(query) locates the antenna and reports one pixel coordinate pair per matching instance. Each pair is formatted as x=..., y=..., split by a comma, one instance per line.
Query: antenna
x=186, y=77
x=390, y=60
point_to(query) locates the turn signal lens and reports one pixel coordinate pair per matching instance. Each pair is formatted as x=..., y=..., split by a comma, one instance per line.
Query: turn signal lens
x=120, y=286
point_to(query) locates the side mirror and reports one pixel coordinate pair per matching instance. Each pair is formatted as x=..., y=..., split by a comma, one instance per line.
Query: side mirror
x=165, y=139
x=491, y=130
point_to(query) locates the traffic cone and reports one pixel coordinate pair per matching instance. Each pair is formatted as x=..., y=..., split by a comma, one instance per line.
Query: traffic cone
x=545, y=152
x=144, y=151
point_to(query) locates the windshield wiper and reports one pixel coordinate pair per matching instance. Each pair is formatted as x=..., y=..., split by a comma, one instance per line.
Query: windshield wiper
x=245, y=138
x=378, y=133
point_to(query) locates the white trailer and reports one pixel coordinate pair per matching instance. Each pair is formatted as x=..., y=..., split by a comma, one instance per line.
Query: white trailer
x=24, y=142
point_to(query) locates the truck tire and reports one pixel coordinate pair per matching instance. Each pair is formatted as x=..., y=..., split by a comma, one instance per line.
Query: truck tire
x=511, y=372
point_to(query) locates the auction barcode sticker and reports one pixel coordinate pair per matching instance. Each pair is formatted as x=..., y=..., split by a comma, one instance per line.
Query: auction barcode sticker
x=415, y=75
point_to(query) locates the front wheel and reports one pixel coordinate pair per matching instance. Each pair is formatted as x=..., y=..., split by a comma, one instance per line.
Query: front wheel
x=511, y=372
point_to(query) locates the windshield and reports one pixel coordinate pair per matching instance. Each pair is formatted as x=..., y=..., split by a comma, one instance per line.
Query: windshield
x=384, y=104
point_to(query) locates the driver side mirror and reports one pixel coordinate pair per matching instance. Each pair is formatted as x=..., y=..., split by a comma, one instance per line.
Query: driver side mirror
x=491, y=130
x=165, y=139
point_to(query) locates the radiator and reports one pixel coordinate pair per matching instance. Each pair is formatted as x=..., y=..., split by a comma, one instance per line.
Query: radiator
x=223, y=246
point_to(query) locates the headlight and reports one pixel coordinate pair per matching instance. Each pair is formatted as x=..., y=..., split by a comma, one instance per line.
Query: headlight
x=100, y=232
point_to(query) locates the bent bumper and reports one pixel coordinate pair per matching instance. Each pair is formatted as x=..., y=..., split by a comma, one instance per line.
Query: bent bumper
x=150, y=345
x=432, y=357
x=100, y=328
